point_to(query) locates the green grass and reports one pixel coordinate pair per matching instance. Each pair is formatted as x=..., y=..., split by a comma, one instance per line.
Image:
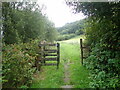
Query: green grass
x=50, y=77
x=78, y=73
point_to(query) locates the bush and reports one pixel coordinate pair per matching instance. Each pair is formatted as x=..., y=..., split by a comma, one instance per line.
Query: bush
x=65, y=37
x=105, y=67
x=18, y=60
x=103, y=39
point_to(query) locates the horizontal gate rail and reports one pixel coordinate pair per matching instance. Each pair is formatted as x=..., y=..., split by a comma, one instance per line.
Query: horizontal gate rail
x=50, y=50
x=50, y=59
x=50, y=54
x=47, y=44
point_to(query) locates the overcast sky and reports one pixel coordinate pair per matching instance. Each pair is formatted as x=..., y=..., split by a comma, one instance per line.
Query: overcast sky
x=59, y=13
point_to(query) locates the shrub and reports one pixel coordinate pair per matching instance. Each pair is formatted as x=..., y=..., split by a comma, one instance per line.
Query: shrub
x=105, y=67
x=65, y=37
x=17, y=62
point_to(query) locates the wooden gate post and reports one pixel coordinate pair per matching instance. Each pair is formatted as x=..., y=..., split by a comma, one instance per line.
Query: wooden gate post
x=44, y=54
x=58, y=53
x=81, y=47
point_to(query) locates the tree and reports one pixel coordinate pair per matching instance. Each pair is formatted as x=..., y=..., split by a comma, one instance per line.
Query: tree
x=103, y=35
x=24, y=21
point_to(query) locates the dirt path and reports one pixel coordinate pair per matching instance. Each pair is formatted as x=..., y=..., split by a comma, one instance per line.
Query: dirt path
x=67, y=76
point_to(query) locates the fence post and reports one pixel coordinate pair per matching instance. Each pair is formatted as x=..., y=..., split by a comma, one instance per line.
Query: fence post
x=58, y=53
x=44, y=53
x=81, y=47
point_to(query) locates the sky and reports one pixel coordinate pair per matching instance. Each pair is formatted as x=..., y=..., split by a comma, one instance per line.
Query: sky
x=59, y=13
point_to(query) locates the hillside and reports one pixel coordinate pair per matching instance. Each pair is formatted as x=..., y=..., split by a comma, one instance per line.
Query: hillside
x=70, y=30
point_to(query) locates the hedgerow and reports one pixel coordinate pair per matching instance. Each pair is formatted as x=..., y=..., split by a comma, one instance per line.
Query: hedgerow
x=17, y=64
x=102, y=31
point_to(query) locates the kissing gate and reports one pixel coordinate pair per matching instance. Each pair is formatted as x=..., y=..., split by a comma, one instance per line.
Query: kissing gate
x=49, y=52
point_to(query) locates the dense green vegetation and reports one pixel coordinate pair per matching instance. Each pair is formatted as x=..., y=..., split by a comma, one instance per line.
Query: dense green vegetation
x=17, y=64
x=24, y=26
x=70, y=30
x=103, y=36
x=24, y=21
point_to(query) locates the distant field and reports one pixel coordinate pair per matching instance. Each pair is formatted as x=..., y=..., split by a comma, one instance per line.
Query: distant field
x=75, y=40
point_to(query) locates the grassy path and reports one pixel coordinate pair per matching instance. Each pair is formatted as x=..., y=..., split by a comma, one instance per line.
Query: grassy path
x=70, y=73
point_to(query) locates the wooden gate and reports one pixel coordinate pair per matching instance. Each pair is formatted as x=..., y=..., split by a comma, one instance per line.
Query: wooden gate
x=49, y=52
